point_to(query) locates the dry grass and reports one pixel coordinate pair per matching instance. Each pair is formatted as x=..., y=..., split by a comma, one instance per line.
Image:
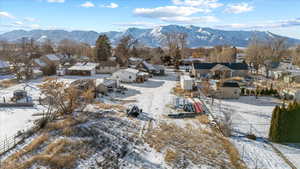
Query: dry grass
x=61, y=124
x=8, y=83
x=234, y=154
x=110, y=106
x=14, y=158
x=59, y=154
x=45, y=79
x=198, y=146
x=170, y=156
x=203, y=119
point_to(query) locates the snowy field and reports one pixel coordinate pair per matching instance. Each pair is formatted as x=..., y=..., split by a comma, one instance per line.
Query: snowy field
x=153, y=95
x=14, y=119
x=251, y=115
x=291, y=151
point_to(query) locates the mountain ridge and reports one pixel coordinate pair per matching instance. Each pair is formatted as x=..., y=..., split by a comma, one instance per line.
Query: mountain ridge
x=152, y=37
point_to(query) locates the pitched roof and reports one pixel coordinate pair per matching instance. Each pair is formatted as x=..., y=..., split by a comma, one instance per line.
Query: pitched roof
x=230, y=84
x=52, y=57
x=132, y=70
x=234, y=66
x=83, y=66
x=220, y=68
x=148, y=65
x=40, y=62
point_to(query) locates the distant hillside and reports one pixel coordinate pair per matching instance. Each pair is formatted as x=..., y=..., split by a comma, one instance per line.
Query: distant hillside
x=197, y=36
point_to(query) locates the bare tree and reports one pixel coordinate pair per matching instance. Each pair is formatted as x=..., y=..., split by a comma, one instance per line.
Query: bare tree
x=47, y=47
x=64, y=99
x=21, y=59
x=254, y=54
x=296, y=55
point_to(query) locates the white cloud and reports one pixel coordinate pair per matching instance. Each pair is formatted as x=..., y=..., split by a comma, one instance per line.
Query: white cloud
x=87, y=4
x=199, y=3
x=140, y=24
x=56, y=1
x=190, y=20
x=167, y=11
x=29, y=19
x=18, y=23
x=239, y=8
x=35, y=26
x=6, y=15
x=266, y=25
x=111, y=5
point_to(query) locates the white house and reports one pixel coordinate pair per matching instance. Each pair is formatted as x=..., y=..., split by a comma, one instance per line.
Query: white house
x=126, y=75
x=186, y=82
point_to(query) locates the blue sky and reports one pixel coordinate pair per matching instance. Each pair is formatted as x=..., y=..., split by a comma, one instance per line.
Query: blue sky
x=278, y=16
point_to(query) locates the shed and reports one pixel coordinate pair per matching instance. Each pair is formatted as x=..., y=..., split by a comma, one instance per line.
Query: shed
x=186, y=82
x=126, y=75
x=104, y=85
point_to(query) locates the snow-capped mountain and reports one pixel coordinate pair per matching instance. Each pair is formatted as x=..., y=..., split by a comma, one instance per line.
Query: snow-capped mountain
x=197, y=36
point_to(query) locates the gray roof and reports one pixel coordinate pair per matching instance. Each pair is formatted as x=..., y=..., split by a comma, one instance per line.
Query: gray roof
x=233, y=66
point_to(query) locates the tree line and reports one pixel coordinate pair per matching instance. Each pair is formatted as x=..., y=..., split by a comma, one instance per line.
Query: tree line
x=285, y=123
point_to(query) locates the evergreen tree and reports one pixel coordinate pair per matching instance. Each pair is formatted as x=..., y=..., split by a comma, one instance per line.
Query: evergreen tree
x=102, y=49
x=274, y=132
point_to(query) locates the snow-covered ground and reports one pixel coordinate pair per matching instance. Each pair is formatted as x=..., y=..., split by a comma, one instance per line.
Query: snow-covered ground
x=14, y=119
x=291, y=151
x=251, y=115
x=153, y=95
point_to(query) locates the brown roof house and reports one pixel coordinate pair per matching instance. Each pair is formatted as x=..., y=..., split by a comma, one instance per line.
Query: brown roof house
x=216, y=69
x=228, y=90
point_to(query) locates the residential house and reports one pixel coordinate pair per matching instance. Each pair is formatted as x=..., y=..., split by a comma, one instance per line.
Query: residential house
x=151, y=68
x=231, y=69
x=51, y=59
x=187, y=64
x=126, y=75
x=82, y=69
x=4, y=67
x=228, y=90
